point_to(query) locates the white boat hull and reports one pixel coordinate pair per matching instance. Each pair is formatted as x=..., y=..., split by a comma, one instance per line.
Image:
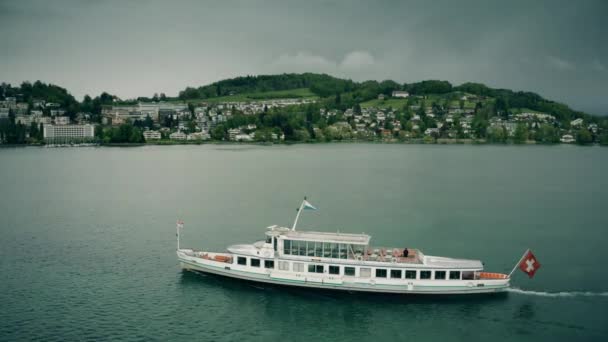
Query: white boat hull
x=350, y=284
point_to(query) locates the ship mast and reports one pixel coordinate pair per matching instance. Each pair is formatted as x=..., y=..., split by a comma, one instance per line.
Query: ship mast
x=178, y=227
x=304, y=205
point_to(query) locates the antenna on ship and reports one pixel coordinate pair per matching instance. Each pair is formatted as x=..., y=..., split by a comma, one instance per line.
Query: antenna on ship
x=304, y=206
x=178, y=227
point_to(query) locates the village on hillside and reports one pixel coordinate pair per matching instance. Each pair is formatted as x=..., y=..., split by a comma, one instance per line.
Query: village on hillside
x=398, y=117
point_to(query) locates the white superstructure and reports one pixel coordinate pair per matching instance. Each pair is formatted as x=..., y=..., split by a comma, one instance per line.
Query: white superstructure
x=341, y=261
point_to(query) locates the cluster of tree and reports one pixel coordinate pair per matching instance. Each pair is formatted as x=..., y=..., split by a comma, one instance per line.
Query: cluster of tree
x=12, y=132
x=49, y=93
x=320, y=84
x=125, y=133
x=28, y=92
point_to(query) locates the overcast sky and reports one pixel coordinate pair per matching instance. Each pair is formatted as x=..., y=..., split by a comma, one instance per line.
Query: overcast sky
x=558, y=49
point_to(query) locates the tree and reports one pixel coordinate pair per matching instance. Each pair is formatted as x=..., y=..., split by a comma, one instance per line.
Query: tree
x=219, y=132
x=547, y=134
x=148, y=122
x=497, y=134
x=479, y=125
x=583, y=137
x=603, y=138
x=521, y=133
x=502, y=107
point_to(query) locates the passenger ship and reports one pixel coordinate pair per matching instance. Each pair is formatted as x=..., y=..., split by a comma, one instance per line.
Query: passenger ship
x=340, y=261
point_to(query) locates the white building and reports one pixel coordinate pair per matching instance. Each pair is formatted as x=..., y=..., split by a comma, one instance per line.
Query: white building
x=177, y=136
x=243, y=137
x=68, y=133
x=25, y=120
x=576, y=123
x=152, y=135
x=567, y=139
x=198, y=136
x=400, y=93
x=430, y=131
x=57, y=112
x=62, y=120
x=233, y=132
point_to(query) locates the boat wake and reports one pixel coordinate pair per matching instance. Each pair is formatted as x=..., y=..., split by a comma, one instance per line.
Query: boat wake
x=558, y=294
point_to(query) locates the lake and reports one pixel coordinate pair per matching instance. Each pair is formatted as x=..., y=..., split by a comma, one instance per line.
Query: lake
x=87, y=239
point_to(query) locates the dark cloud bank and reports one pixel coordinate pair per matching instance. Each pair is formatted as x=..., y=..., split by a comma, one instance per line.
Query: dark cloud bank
x=555, y=48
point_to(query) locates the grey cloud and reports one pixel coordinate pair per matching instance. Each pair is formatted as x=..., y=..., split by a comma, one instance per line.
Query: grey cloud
x=555, y=48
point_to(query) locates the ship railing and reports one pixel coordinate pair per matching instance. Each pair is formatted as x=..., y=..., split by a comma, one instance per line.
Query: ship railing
x=219, y=257
x=389, y=254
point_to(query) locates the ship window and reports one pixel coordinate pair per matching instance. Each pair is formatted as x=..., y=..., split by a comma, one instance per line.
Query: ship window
x=410, y=274
x=425, y=274
x=241, y=260
x=284, y=265
x=295, y=247
x=327, y=250
x=298, y=267
x=302, y=248
x=395, y=273
x=359, y=249
x=440, y=275
x=318, y=249
x=455, y=275
x=315, y=268
x=380, y=273
x=287, y=246
x=349, y=271
x=310, y=248
x=268, y=239
x=334, y=250
x=268, y=263
x=255, y=262
x=343, y=251
x=468, y=275
x=334, y=269
x=365, y=272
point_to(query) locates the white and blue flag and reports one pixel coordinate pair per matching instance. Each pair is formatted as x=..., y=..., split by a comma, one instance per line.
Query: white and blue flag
x=309, y=206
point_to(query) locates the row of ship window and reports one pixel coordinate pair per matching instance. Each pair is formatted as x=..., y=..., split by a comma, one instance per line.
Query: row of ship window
x=321, y=249
x=364, y=272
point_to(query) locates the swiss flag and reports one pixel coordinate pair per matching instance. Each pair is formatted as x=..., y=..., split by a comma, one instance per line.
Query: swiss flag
x=529, y=264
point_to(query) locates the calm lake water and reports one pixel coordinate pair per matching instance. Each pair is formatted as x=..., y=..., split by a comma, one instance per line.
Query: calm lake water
x=87, y=239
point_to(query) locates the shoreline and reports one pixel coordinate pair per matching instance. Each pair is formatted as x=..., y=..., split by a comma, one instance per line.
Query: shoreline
x=469, y=142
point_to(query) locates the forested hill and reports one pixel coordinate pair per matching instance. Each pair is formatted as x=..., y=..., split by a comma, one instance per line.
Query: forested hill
x=333, y=92
x=351, y=93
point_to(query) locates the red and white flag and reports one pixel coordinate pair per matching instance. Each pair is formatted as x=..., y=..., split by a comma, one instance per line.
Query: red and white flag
x=529, y=264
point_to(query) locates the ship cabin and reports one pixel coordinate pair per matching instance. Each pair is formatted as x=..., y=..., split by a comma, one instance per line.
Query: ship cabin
x=325, y=246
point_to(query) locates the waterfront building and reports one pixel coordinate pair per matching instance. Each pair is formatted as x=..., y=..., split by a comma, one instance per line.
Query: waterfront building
x=233, y=132
x=152, y=135
x=177, y=136
x=567, y=139
x=61, y=134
